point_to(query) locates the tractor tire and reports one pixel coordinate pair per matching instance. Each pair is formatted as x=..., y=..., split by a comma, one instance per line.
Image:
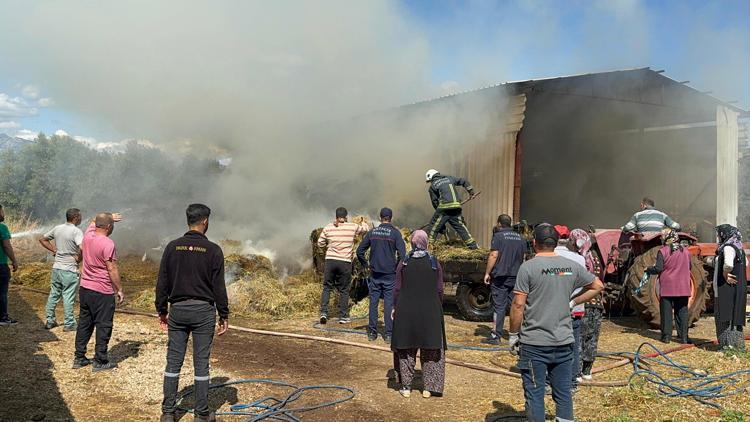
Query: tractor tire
x=474, y=302
x=646, y=303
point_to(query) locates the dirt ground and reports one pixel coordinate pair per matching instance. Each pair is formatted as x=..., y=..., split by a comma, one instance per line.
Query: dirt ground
x=38, y=384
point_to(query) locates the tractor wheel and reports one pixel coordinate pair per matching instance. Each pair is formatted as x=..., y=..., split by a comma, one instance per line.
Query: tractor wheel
x=646, y=303
x=474, y=301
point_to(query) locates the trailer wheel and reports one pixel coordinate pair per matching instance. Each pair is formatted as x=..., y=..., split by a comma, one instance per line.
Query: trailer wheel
x=646, y=303
x=474, y=301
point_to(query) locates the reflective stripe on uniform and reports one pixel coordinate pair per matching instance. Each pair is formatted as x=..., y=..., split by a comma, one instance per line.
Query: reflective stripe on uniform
x=205, y=378
x=172, y=374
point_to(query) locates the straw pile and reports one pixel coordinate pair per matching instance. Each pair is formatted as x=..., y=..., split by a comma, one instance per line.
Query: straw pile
x=33, y=274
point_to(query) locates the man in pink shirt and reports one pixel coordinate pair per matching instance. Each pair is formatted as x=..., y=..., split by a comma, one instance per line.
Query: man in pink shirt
x=100, y=283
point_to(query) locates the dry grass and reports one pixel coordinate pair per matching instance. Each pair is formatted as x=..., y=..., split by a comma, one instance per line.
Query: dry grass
x=262, y=296
x=33, y=274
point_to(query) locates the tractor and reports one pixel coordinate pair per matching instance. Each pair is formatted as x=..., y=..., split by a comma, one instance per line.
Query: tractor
x=621, y=260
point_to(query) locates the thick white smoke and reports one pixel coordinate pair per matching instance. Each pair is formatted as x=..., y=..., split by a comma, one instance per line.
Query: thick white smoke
x=275, y=84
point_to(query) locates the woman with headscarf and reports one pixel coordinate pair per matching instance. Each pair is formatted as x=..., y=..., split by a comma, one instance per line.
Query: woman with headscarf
x=580, y=242
x=673, y=267
x=418, y=319
x=730, y=288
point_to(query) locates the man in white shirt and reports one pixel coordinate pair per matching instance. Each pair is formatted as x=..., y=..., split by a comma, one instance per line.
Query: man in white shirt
x=64, y=281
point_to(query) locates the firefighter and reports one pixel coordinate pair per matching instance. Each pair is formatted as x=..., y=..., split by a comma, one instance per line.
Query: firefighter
x=447, y=205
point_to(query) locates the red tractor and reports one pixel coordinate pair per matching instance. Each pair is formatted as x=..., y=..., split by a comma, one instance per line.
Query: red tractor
x=622, y=259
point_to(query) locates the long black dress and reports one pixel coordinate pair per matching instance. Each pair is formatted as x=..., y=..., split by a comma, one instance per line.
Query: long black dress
x=419, y=320
x=731, y=301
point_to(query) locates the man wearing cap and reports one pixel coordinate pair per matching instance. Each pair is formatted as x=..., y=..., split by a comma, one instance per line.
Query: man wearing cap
x=541, y=331
x=387, y=248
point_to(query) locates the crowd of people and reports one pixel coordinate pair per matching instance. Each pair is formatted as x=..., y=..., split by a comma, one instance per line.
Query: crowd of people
x=553, y=294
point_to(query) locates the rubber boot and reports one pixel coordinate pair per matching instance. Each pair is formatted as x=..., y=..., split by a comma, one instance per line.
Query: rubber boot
x=211, y=417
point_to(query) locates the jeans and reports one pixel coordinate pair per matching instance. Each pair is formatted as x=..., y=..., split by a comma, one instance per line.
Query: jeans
x=199, y=318
x=451, y=217
x=4, y=281
x=576, y=366
x=97, y=311
x=535, y=363
x=63, y=284
x=502, y=297
x=338, y=276
x=680, y=307
x=381, y=285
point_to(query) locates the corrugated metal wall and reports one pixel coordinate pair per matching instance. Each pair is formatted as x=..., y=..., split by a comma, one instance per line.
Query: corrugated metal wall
x=490, y=166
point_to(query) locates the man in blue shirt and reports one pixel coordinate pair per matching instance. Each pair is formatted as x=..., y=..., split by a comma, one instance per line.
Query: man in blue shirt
x=506, y=256
x=384, y=243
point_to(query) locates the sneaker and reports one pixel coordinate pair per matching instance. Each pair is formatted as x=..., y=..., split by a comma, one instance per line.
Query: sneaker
x=211, y=417
x=50, y=325
x=323, y=318
x=495, y=341
x=96, y=367
x=579, y=379
x=387, y=339
x=345, y=320
x=372, y=336
x=8, y=321
x=167, y=417
x=79, y=363
x=426, y=394
x=70, y=328
x=587, y=377
x=405, y=392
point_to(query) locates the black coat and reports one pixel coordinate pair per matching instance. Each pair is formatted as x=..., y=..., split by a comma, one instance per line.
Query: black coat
x=419, y=320
x=731, y=299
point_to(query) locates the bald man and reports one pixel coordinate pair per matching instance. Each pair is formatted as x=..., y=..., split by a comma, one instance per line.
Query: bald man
x=100, y=288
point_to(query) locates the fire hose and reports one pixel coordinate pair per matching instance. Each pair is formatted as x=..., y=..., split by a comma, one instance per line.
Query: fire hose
x=704, y=387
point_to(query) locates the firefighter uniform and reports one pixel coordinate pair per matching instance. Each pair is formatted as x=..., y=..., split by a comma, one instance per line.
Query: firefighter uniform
x=447, y=206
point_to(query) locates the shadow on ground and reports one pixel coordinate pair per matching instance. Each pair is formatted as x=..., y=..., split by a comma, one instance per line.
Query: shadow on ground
x=125, y=350
x=504, y=412
x=217, y=397
x=636, y=326
x=28, y=390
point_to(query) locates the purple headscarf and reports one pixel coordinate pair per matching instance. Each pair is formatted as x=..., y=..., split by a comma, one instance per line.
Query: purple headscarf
x=728, y=236
x=419, y=243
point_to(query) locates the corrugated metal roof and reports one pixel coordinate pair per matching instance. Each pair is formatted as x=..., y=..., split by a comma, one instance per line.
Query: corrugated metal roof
x=513, y=86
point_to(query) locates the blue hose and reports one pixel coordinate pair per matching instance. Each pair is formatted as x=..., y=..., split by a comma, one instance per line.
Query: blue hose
x=275, y=408
x=450, y=345
x=696, y=384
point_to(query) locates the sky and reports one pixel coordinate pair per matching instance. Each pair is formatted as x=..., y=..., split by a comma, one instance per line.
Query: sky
x=469, y=45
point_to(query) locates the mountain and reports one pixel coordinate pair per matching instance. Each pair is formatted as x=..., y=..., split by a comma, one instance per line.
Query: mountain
x=11, y=142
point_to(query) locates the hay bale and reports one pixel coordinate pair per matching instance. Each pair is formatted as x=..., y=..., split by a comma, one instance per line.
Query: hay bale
x=296, y=296
x=237, y=266
x=143, y=300
x=450, y=251
x=34, y=274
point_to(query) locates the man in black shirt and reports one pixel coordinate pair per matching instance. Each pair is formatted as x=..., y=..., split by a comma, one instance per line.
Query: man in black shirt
x=189, y=293
x=506, y=256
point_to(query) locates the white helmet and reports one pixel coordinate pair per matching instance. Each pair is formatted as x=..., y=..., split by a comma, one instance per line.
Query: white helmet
x=430, y=174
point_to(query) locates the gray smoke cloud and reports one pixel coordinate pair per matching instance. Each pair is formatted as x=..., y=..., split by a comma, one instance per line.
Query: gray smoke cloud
x=277, y=86
x=294, y=91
